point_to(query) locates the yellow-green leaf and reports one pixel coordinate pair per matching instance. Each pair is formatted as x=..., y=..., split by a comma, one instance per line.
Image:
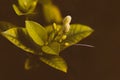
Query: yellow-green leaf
x=32, y=6
x=25, y=7
x=52, y=13
x=53, y=48
x=19, y=37
x=36, y=32
x=76, y=33
x=56, y=62
x=5, y=26
x=17, y=10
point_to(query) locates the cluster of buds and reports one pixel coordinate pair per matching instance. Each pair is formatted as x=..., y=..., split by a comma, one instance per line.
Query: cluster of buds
x=65, y=28
x=61, y=33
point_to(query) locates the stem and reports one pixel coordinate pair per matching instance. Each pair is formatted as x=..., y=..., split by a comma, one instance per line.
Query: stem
x=86, y=45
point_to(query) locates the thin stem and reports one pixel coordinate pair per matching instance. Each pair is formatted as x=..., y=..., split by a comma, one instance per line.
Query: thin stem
x=86, y=45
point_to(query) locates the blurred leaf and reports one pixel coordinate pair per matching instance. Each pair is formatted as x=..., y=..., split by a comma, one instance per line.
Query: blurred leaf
x=56, y=62
x=19, y=37
x=52, y=13
x=5, y=26
x=36, y=32
x=49, y=29
x=25, y=7
x=76, y=33
x=52, y=48
x=17, y=10
x=26, y=4
x=31, y=62
x=45, y=1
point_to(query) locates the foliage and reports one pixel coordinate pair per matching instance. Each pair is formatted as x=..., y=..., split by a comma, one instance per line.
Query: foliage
x=45, y=42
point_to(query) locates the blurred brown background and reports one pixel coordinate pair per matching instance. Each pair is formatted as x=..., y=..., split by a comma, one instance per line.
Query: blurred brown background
x=99, y=63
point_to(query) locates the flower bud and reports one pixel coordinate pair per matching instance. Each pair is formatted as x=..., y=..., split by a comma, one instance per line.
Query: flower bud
x=64, y=37
x=66, y=27
x=54, y=26
x=66, y=23
x=67, y=20
x=67, y=44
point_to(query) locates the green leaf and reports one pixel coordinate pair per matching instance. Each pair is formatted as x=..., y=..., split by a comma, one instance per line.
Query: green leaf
x=52, y=48
x=56, y=62
x=27, y=4
x=5, y=26
x=36, y=32
x=49, y=29
x=24, y=4
x=20, y=38
x=31, y=62
x=31, y=8
x=76, y=33
x=17, y=10
x=25, y=7
x=52, y=13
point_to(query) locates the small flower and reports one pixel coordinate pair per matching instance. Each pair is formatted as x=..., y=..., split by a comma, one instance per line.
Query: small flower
x=66, y=23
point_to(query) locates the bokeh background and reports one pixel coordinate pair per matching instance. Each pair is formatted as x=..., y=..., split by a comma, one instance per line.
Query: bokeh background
x=99, y=63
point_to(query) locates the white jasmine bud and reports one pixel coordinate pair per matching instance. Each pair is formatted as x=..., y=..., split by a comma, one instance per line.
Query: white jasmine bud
x=66, y=23
x=67, y=20
x=66, y=27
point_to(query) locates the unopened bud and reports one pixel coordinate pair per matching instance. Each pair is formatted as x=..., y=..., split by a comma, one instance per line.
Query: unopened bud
x=67, y=44
x=66, y=27
x=66, y=23
x=54, y=26
x=67, y=20
x=64, y=37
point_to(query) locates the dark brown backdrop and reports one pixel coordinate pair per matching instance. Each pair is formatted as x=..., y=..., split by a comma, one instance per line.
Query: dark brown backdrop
x=99, y=63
